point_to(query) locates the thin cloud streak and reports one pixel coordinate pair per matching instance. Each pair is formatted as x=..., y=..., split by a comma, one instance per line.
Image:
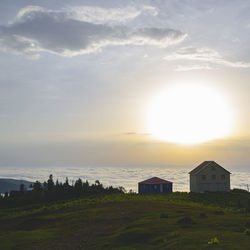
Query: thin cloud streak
x=209, y=56
x=192, y=67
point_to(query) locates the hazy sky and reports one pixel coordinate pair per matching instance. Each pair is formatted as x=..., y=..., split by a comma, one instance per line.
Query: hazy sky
x=76, y=78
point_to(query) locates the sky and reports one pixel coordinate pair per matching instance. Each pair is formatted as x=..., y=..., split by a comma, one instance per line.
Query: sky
x=77, y=79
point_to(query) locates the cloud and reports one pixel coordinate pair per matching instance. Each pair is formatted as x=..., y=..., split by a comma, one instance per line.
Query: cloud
x=136, y=133
x=192, y=67
x=94, y=14
x=204, y=55
x=235, y=144
x=36, y=29
x=101, y=15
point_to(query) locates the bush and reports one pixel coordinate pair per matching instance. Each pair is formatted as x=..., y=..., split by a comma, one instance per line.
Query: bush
x=247, y=232
x=239, y=190
x=213, y=241
x=174, y=234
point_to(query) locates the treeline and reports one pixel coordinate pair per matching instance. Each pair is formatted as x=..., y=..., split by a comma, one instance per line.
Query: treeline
x=50, y=190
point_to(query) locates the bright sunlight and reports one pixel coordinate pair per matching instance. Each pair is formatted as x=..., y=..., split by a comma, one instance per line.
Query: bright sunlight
x=189, y=114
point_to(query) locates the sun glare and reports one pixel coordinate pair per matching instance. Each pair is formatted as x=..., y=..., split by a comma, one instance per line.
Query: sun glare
x=189, y=114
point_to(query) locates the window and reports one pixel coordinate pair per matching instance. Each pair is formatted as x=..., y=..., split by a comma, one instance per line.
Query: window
x=204, y=177
x=213, y=177
x=223, y=177
x=213, y=168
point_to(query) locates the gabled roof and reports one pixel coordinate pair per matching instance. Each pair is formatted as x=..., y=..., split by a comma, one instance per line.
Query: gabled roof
x=203, y=165
x=155, y=180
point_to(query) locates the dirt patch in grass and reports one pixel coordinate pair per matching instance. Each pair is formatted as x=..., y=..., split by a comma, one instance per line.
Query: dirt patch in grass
x=186, y=221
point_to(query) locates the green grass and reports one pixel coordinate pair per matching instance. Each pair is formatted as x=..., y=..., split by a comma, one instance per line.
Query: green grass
x=130, y=222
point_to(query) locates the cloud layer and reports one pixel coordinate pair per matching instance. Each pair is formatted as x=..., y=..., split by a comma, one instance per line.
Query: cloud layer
x=126, y=177
x=36, y=29
x=206, y=56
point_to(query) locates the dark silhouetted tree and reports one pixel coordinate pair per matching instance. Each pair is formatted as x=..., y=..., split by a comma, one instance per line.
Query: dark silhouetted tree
x=50, y=183
x=37, y=187
x=21, y=189
x=78, y=187
x=248, y=206
x=66, y=184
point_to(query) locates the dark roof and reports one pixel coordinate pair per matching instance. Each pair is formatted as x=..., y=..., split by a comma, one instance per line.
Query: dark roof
x=203, y=165
x=155, y=180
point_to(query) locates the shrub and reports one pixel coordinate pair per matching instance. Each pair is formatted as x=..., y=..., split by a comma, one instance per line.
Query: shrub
x=247, y=232
x=174, y=234
x=239, y=190
x=213, y=241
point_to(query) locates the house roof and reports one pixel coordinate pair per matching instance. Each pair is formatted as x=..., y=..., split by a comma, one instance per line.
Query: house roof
x=155, y=180
x=203, y=165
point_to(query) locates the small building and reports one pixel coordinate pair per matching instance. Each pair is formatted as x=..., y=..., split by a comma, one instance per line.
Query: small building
x=155, y=185
x=209, y=177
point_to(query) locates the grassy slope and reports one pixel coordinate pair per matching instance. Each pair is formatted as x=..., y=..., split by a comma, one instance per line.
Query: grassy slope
x=128, y=222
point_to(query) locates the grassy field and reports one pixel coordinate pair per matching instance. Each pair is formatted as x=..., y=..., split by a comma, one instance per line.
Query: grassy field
x=173, y=221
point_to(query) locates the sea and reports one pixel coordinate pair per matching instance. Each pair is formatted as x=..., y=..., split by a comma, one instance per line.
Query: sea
x=127, y=177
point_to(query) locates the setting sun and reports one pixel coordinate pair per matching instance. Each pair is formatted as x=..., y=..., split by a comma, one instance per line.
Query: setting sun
x=189, y=114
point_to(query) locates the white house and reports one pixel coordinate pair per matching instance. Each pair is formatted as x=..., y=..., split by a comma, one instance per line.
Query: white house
x=209, y=177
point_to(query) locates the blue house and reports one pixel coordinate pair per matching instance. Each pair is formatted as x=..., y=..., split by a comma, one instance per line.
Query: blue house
x=155, y=185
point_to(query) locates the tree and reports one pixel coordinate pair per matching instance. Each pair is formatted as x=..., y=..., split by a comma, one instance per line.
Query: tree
x=50, y=183
x=85, y=187
x=78, y=187
x=37, y=186
x=123, y=190
x=45, y=186
x=66, y=184
x=21, y=189
x=248, y=206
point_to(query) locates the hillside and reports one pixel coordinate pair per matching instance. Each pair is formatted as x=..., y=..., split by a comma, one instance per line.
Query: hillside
x=131, y=221
x=6, y=185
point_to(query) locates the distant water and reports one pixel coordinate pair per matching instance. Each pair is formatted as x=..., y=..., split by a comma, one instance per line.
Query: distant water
x=116, y=176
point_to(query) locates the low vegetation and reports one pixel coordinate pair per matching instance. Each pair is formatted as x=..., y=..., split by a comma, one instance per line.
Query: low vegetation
x=130, y=221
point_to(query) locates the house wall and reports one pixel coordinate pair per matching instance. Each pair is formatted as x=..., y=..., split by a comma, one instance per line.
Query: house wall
x=210, y=183
x=154, y=188
x=193, y=184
